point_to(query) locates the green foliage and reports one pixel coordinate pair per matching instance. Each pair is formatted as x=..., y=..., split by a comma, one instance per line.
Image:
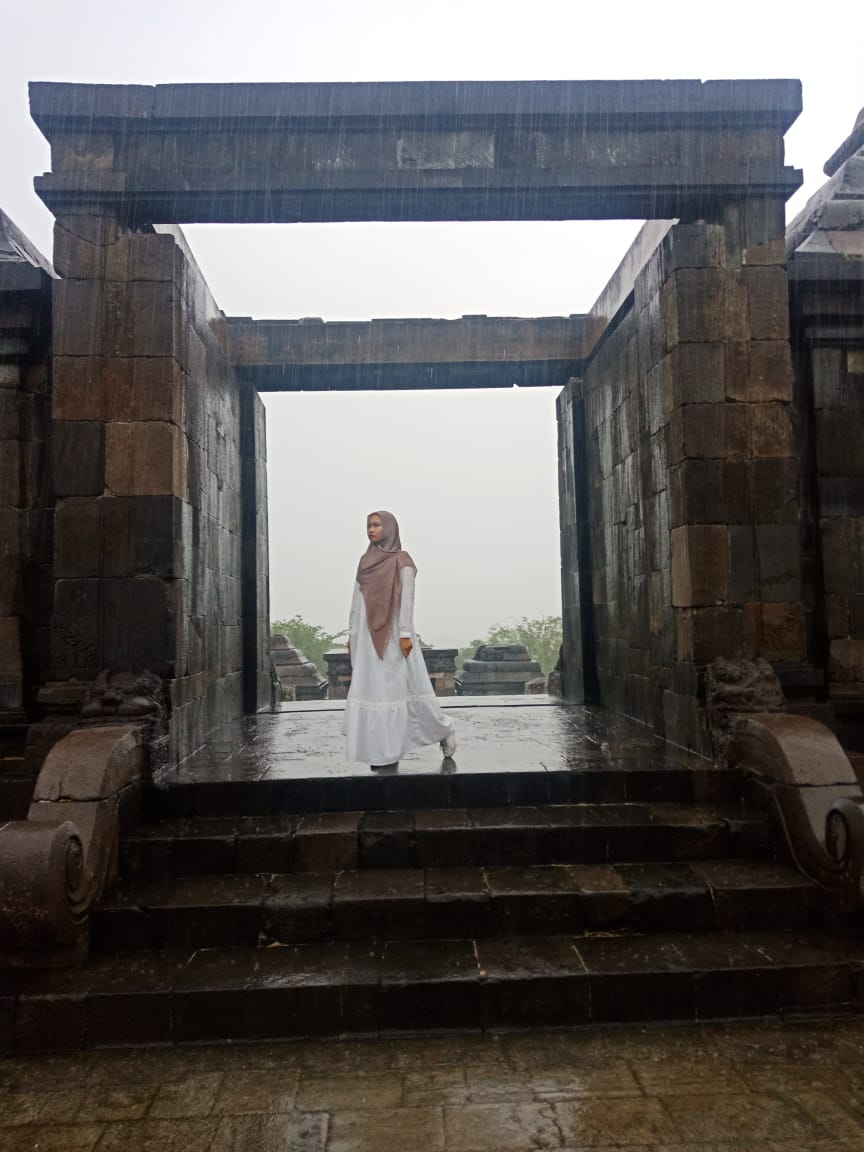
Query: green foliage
x=312, y=639
x=542, y=637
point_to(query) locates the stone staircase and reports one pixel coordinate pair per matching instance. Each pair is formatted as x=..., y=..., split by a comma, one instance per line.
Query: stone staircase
x=367, y=904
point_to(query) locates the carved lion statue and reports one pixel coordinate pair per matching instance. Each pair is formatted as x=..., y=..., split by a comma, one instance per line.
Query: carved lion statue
x=734, y=687
x=126, y=694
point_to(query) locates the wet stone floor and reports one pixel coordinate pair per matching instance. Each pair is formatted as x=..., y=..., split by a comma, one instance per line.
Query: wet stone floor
x=494, y=734
x=788, y=1086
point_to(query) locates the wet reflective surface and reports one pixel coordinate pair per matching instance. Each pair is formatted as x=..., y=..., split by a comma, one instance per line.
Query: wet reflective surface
x=495, y=734
x=758, y=1087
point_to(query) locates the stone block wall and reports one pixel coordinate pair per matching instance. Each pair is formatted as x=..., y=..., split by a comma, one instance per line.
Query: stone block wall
x=692, y=485
x=25, y=528
x=147, y=474
x=838, y=380
x=825, y=244
x=828, y=316
x=628, y=549
x=577, y=662
x=838, y=400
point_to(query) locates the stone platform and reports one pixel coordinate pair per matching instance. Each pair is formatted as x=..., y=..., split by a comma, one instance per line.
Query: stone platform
x=535, y=734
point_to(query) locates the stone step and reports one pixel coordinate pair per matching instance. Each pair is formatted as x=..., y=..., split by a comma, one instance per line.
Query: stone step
x=244, y=994
x=454, y=903
x=501, y=669
x=16, y=793
x=590, y=781
x=16, y=779
x=453, y=837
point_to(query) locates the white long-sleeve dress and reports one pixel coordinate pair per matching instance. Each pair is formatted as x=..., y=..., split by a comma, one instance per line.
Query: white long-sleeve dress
x=391, y=708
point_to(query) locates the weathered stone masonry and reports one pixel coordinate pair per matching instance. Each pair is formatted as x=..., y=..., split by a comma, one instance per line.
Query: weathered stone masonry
x=825, y=247
x=692, y=473
x=682, y=490
x=25, y=525
x=147, y=413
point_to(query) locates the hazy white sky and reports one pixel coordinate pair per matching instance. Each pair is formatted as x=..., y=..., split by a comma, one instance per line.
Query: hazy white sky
x=472, y=476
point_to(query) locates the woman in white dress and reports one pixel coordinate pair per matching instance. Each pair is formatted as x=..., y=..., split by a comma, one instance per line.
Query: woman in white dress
x=391, y=708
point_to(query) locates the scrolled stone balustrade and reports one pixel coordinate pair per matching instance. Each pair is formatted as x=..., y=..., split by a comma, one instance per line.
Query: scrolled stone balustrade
x=844, y=835
x=55, y=864
x=798, y=768
x=42, y=881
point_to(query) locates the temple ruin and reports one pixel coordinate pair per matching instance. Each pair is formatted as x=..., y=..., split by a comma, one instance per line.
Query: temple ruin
x=710, y=419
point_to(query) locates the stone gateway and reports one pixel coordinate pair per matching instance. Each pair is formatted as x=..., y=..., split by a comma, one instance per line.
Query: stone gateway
x=710, y=422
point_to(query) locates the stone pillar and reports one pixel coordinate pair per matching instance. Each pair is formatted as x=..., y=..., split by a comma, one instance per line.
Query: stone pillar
x=25, y=295
x=723, y=392
x=255, y=576
x=691, y=488
x=838, y=399
x=146, y=454
x=441, y=666
x=338, y=673
x=499, y=670
x=23, y=400
x=826, y=247
x=579, y=678
x=118, y=455
x=12, y=540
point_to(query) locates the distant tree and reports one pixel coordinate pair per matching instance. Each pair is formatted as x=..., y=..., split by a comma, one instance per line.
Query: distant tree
x=542, y=637
x=312, y=639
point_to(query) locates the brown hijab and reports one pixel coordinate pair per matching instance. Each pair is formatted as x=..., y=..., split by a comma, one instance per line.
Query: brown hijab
x=380, y=580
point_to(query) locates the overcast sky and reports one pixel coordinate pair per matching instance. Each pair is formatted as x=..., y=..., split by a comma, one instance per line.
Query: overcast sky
x=471, y=476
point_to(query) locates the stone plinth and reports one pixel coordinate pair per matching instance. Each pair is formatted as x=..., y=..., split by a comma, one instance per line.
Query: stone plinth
x=338, y=673
x=499, y=670
x=299, y=678
x=440, y=664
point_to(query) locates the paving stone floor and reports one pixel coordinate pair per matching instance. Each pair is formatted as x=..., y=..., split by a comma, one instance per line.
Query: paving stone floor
x=494, y=733
x=788, y=1086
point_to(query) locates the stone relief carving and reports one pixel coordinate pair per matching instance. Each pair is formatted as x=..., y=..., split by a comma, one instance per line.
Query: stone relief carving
x=72, y=651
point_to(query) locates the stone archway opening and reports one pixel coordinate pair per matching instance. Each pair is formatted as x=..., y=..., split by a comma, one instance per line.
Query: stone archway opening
x=474, y=404
x=682, y=380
